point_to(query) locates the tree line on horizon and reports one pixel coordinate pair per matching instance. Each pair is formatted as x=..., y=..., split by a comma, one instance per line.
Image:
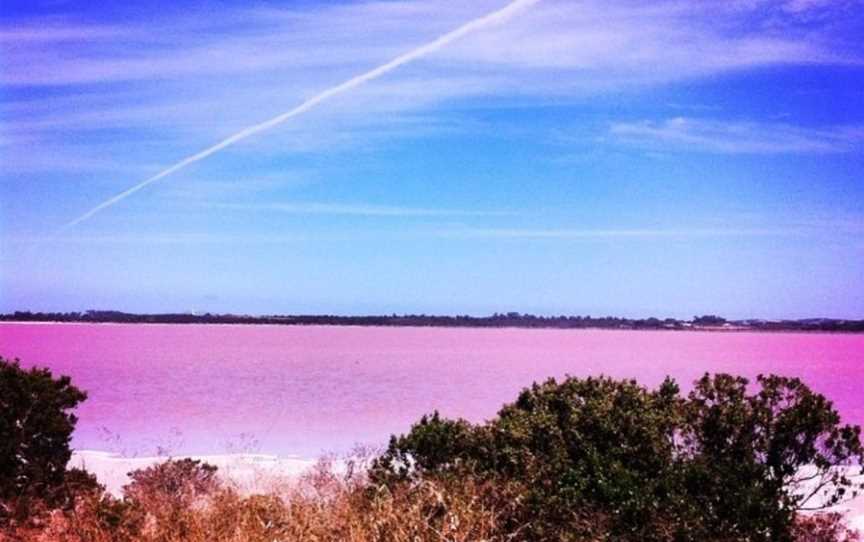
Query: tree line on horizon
x=496, y=320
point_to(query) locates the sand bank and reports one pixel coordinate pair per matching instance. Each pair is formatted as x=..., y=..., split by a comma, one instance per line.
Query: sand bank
x=249, y=473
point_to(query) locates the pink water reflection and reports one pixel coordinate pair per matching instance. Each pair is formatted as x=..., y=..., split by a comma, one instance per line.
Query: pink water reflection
x=303, y=390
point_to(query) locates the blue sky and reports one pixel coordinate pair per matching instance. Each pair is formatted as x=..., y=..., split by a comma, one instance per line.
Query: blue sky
x=617, y=157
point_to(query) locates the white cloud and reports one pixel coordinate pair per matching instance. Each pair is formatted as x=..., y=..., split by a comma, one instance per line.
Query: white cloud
x=604, y=42
x=232, y=188
x=202, y=76
x=620, y=37
x=193, y=239
x=439, y=232
x=588, y=234
x=355, y=209
x=799, y=6
x=54, y=31
x=716, y=136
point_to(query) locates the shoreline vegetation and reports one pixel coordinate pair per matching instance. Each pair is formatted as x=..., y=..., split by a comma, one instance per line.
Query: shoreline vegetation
x=497, y=320
x=577, y=460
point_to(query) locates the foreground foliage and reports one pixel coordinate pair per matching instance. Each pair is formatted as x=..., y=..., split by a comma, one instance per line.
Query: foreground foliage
x=728, y=459
x=36, y=425
x=324, y=506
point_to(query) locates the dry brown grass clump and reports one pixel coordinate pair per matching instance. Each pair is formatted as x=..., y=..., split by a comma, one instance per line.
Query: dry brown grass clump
x=183, y=501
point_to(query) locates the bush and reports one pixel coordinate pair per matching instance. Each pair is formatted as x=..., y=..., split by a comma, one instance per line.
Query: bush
x=657, y=465
x=179, y=482
x=35, y=429
x=750, y=454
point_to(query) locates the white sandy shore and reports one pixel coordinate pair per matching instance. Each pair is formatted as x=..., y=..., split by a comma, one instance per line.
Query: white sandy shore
x=259, y=473
x=853, y=509
x=249, y=473
x=854, y=512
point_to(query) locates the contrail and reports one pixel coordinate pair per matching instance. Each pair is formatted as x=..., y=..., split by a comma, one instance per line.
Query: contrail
x=492, y=18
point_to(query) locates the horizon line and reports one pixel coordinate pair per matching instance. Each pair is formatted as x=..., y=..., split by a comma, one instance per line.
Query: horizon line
x=394, y=315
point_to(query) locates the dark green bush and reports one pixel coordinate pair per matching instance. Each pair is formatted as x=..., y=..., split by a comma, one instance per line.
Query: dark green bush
x=36, y=425
x=659, y=466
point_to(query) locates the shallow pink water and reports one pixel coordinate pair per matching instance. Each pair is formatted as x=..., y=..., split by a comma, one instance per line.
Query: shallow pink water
x=304, y=390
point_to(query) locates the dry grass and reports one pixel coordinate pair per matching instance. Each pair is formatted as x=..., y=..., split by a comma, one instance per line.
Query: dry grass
x=322, y=506
x=182, y=502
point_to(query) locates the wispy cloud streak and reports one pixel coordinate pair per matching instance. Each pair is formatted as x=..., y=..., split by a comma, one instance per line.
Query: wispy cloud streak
x=375, y=236
x=362, y=209
x=731, y=137
x=472, y=26
x=588, y=234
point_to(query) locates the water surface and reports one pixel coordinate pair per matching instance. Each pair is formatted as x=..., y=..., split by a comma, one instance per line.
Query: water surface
x=308, y=389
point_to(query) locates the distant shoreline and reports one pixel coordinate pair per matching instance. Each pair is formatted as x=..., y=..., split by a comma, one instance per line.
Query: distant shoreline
x=497, y=321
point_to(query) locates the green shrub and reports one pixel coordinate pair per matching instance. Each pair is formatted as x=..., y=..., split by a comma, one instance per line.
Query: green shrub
x=721, y=461
x=36, y=425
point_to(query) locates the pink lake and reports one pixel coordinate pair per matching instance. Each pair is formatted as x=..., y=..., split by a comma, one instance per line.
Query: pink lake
x=306, y=390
